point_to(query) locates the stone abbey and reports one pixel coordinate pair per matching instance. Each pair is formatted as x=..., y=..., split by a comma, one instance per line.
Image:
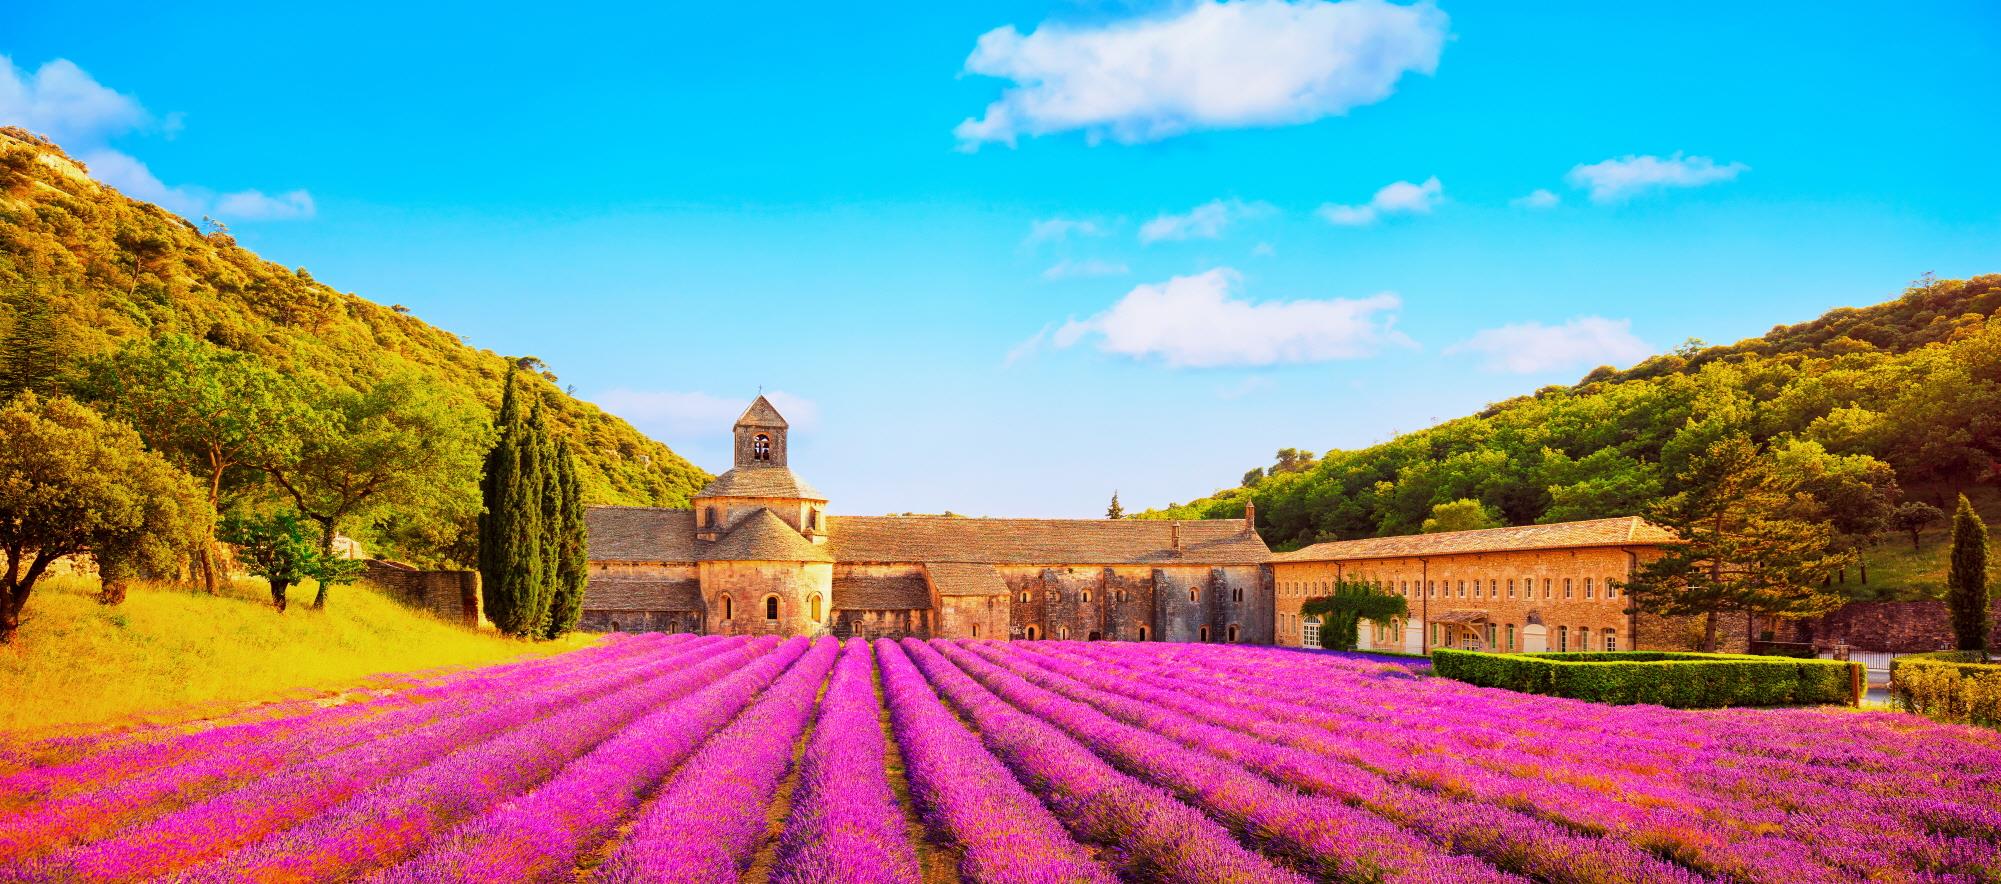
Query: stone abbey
x=758, y=553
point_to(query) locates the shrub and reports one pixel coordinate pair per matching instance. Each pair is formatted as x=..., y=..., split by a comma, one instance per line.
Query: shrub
x=1681, y=680
x=1948, y=686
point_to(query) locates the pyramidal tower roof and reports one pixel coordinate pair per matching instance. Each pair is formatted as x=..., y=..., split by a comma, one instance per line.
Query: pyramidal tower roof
x=761, y=414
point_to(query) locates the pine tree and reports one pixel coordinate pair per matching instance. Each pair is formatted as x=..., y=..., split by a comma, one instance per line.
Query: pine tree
x=1115, y=511
x=1966, y=579
x=569, y=540
x=29, y=361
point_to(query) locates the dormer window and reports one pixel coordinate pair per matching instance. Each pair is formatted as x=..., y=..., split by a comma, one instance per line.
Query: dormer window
x=760, y=447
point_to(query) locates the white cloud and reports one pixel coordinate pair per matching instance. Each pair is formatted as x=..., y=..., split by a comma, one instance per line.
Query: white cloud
x=63, y=102
x=255, y=205
x=1398, y=198
x=1538, y=198
x=1618, y=179
x=1201, y=320
x=1059, y=228
x=1264, y=250
x=1209, y=65
x=1206, y=221
x=1530, y=347
x=689, y=413
x=1084, y=269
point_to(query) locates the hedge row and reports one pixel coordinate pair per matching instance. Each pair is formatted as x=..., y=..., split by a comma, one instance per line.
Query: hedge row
x=1686, y=681
x=1948, y=686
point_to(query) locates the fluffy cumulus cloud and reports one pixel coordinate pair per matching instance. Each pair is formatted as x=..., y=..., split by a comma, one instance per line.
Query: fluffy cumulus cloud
x=677, y=413
x=1399, y=198
x=62, y=101
x=1539, y=198
x=1531, y=347
x=68, y=105
x=1206, y=221
x=1203, y=320
x=1086, y=268
x=1622, y=178
x=1208, y=65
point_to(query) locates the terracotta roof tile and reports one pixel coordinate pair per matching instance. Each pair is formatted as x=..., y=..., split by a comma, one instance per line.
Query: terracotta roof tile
x=902, y=592
x=640, y=534
x=764, y=537
x=761, y=414
x=760, y=482
x=613, y=594
x=965, y=579
x=1041, y=541
x=1627, y=531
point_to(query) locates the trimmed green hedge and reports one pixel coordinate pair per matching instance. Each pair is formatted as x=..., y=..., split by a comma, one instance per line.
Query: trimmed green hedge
x=1948, y=686
x=1685, y=681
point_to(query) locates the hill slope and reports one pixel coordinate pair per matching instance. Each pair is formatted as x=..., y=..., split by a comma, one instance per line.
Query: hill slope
x=1915, y=382
x=117, y=268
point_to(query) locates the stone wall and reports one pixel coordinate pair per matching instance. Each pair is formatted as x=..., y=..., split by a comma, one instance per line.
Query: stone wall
x=747, y=586
x=452, y=595
x=1893, y=627
x=973, y=616
x=1658, y=633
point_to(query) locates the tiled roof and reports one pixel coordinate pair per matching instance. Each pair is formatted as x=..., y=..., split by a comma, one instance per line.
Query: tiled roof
x=611, y=594
x=764, y=537
x=965, y=579
x=899, y=593
x=640, y=534
x=761, y=414
x=1041, y=541
x=1627, y=531
x=760, y=482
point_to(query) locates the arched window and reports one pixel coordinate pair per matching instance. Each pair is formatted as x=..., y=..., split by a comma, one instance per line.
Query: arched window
x=1611, y=589
x=1063, y=632
x=1237, y=595
x=1191, y=593
x=1563, y=638
x=1031, y=633
x=1611, y=640
x=614, y=626
x=1204, y=633
x=1094, y=636
x=1233, y=633
x=976, y=630
x=1024, y=598
x=1588, y=593
x=760, y=447
x=812, y=606
x=1143, y=633
x=1566, y=587
x=1087, y=596
x=771, y=607
x=813, y=519
x=729, y=608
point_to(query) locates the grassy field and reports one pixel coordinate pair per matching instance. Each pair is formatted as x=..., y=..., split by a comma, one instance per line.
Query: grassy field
x=170, y=654
x=1899, y=573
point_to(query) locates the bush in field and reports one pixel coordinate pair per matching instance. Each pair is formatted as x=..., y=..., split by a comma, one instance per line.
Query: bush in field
x=1966, y=580
x=73, y=483
x=1948, y=686
x=1687, y=681
x=282, y=550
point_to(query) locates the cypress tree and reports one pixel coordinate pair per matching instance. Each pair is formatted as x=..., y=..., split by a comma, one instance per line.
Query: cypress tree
x=1966, y=579
x=510, y=528
x=548, y=498
x=495, y=483
x=569, y=540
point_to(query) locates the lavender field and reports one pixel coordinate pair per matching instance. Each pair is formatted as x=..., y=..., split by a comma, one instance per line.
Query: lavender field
x=680, y=758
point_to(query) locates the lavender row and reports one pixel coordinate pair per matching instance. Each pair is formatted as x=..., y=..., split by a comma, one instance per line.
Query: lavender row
x=387, y=822
x=235, y=819
x=846, y=825
x=708, y=820
x=369, y=746
x=540, y=836
x=1153, y=836
x=1005, y=834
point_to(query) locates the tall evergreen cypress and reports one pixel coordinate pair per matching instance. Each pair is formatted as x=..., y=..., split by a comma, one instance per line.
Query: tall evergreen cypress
x=1966, y=579
x=569, y=540
x=548, y=501
x=510, y=528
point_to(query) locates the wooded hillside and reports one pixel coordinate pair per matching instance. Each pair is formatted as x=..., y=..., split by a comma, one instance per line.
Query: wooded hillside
x=114, y=269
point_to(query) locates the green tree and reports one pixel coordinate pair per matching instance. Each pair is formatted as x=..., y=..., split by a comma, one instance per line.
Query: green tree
x=1115, y=511
x=1342, y=611
x=570, y=542
x=1464, y=514
x=1966, y=579
x=30, y=354
x=216, y=412
x=1853, y=493
x=74, y=483
x=1742, y=549
x=283, y=550
x=550, y=495
x=395, y=445
x=1912, y=517
x=510, y=544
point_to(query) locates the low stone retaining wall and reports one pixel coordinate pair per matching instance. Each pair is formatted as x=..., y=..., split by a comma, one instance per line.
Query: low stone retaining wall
x=453, y=595
x=1892, y=627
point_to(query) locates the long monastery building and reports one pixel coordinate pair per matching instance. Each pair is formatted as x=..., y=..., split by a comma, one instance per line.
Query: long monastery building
x=758, y=553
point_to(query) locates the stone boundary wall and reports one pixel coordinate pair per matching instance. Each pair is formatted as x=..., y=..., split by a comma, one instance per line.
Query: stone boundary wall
x=1892, y=627
x=452, y=595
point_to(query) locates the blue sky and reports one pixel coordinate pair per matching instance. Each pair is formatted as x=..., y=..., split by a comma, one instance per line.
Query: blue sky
x=1117, y=246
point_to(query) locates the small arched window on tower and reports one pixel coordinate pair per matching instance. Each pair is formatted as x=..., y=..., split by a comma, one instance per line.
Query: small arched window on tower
x=1191, y=594
x=1205, y=633
x=760, y=447
x=771, y=607
x=812, y=606
x=729, y=608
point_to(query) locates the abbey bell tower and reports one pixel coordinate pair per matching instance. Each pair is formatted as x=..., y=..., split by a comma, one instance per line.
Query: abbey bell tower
x=760, y=437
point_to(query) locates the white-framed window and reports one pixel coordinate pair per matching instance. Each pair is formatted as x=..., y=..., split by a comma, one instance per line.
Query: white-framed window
x=1309, y=632
x=1611, y=640
x=1563, y=638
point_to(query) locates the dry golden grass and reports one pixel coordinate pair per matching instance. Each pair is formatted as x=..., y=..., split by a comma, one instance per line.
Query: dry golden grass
x=170, y=654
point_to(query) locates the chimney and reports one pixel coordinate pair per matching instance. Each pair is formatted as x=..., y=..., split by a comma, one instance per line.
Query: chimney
x=1250, y=517
x=1174, y=538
